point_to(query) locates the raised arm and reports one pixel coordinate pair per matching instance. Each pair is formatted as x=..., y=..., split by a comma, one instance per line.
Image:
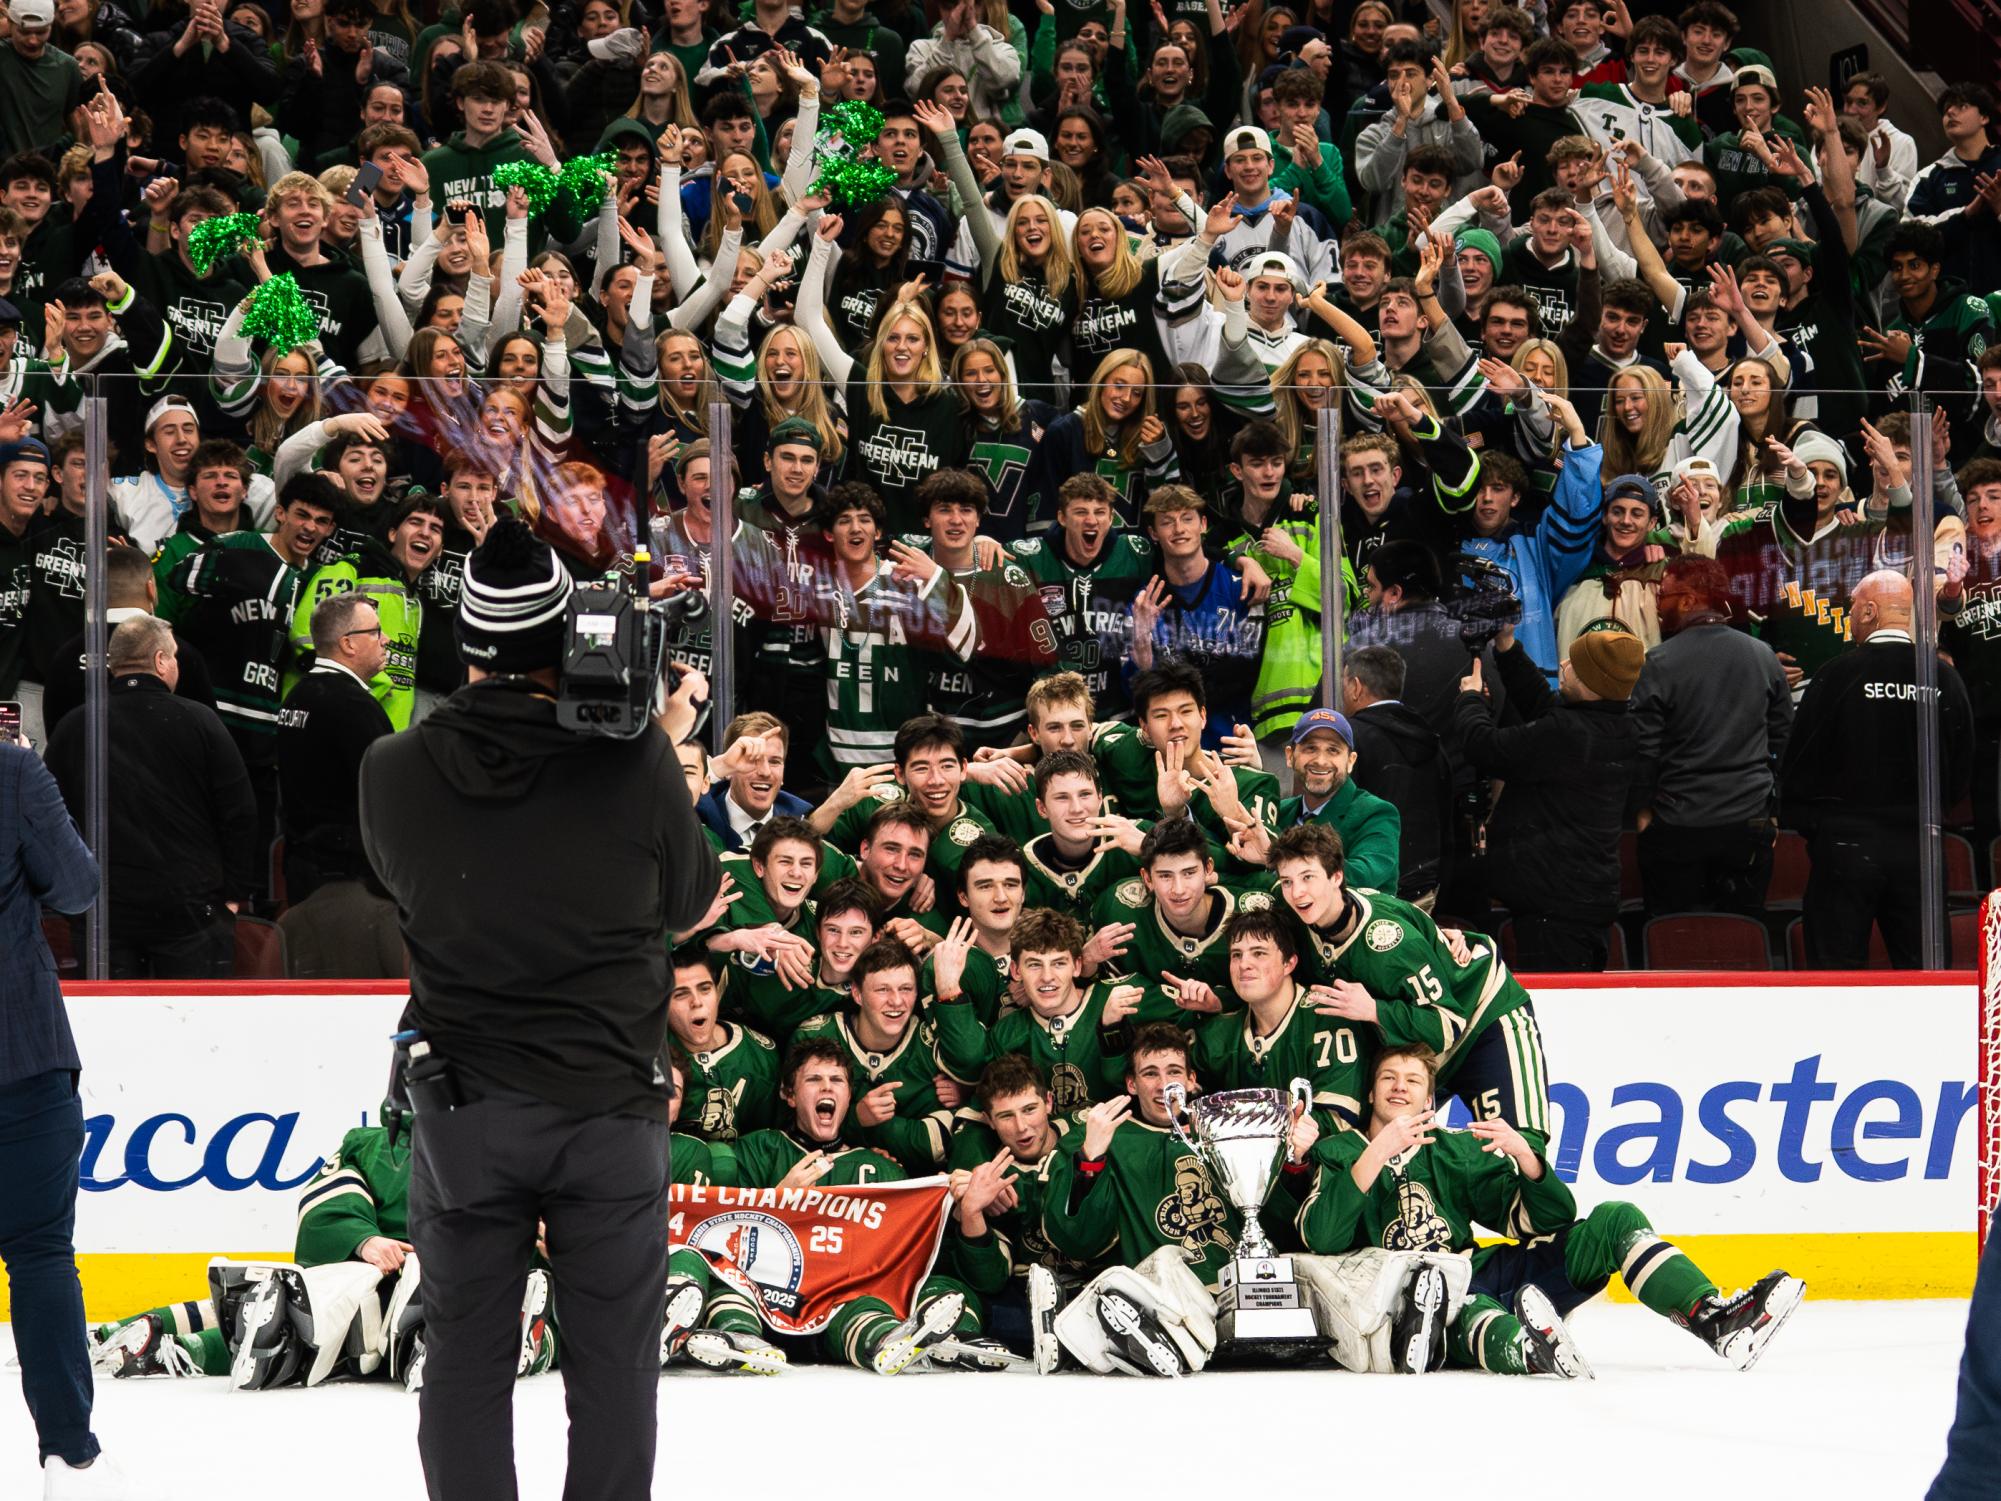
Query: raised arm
x=389, y=311
x=810, y=312
x=986, y=239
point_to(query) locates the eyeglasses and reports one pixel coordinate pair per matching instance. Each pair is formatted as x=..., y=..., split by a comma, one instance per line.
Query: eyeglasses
x=373, y=630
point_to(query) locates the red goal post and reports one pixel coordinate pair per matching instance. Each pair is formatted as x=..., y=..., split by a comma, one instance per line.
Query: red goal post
x=1990, y=1061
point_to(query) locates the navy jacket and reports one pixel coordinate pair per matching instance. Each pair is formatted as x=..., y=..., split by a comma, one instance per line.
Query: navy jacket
x=711, y=810
x=43, y=862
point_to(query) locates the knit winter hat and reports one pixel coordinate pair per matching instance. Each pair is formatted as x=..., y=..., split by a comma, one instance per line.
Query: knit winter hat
x=1483, y=240
x=1608, y=663
x=511, y=601
x=1817, y=446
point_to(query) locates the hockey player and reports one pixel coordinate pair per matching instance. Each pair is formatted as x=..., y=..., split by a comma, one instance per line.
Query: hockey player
x=1279, y=1037
x=1170, y=706
x=1169, y=922
x=892, y=1055
x=991, y=882
x=1406, y=1183
x=767, y=926
x=810, y=1152
x=732, y=1080
x=1089, y=573
x=1382, y=962
x=1086, y=851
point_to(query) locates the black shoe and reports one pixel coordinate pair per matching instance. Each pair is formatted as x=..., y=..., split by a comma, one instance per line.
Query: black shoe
x=1417, y=1339
x=1740, y=1326
x=1137, y=1337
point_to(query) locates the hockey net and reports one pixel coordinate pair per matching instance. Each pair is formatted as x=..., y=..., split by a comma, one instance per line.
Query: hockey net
x=1990, y=1060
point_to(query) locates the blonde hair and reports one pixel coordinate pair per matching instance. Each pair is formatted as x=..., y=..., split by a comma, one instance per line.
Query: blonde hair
x=1056, y=265
x=1295, y=423
x=1556, y=357
x=680, y=112
x=266, y=428
x=812, y=405
x=697, y=415
x=337, y=180
x=1100, y=436
x=1010, y=412
x=1124, y=273
x=299, y=182
x=1625, y=453
x=930, y=374
x=1058, y=688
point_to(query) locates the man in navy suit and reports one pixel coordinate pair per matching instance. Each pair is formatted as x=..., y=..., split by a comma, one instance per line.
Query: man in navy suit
x=43, y=864
x=735, y=809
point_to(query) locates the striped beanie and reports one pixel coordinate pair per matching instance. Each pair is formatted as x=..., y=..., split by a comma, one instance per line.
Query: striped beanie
x=511, y=601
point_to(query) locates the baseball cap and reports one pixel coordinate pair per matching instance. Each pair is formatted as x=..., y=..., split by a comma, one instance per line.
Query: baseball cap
x=1246, y=138
x=1274, y=263
x=25, y=451
x=36, y=15
x=793, y=430
x=1324, y=719
x=1696, y=468
x=1631, y=484
x=1799, y=250
x=1756, y=73
x=625, y=45
x=1026, y=143
x=168, y=404
x=9, y=314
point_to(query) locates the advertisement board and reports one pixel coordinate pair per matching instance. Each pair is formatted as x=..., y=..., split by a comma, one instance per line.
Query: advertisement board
x=1822, y=1123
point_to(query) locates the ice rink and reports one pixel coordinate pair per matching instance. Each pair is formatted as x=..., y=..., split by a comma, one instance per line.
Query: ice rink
x=1852, y=1399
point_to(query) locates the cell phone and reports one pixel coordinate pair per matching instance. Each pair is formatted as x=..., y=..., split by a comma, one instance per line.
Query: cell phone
x=10, y=724
x=367, y=177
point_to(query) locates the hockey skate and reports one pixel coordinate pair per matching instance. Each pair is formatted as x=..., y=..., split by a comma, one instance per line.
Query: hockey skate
x=1044, y=1298
x=1547, y=1343
x=1417, y=1341
x=1137, y=1336
x=538, y=1336
x=930, y=1324
x=144, y=1347
x=1740, y=1326
x=684, y=1311
x=975, y=1353
x=735, y=1351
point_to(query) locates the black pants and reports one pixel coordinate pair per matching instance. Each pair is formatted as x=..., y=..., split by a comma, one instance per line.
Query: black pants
x=1862, y=874
x=1722, y=868
x=205, y=954
x=482, y=1175
x=41, y=1144
x=1547, y=945
x=1973, y=1447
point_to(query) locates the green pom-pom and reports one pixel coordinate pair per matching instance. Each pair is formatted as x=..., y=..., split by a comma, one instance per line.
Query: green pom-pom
x=280, y=315
x=583, y=178
x=858, y=123
x=854, y=183
x=214, y=239
x=534, y=179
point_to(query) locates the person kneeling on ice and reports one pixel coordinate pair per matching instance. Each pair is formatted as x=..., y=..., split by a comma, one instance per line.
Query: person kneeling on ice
x=349, y=1304
x=943, y=1329
x=1408, y=1183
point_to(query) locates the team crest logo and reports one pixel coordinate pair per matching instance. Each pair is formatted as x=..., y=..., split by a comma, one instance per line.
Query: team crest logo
x=1193, y=1214
x=1418, y=1225
x=1132, y=893
x=1383, y=935
x=718, y=1122
x=1254, y=901
x=1068, y=1086
x=964, y=831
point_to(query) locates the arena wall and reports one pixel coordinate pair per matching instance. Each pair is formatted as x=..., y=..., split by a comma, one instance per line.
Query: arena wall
x=1824, y=1123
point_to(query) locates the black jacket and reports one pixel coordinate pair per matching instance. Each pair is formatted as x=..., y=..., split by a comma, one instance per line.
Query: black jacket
x=1553, y=839
x=1853, y=754
x=1401, y=760
x=324, y=729
x=182, y=822
x=1713, y=711
x=43, y=863
x=62, y=689
x=538, y=876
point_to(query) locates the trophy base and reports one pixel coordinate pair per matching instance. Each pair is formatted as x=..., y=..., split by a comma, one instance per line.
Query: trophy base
x=1261, y=1307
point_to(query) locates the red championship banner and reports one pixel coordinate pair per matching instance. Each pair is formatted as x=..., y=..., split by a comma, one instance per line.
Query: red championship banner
x=800, y=1253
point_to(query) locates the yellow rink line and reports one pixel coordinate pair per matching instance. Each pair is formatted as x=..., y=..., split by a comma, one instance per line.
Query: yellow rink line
x=1901, y=1264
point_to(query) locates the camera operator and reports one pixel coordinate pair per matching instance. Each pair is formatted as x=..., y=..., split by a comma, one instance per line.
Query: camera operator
x=537, y=874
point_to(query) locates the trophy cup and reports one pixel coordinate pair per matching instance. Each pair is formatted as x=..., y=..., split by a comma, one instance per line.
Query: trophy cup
x=1241, y=1137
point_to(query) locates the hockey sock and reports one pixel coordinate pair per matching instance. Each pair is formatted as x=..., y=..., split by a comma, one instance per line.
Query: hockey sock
x=728, y=1309
x=858, y=1330
x=1617, y=1237
x=970, y=1321
x=209, y=1350
x=685, y=1261
x=1486, y=1337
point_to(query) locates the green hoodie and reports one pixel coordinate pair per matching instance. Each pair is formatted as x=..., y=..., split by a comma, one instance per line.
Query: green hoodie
x=460, y=170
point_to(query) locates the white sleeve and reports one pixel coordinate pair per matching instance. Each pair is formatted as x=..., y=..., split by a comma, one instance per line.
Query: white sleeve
x=810, y=313
x=390, y=316
x=295, y=454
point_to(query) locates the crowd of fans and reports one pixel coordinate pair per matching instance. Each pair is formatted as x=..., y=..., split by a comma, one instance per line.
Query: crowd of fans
x=1622, y=329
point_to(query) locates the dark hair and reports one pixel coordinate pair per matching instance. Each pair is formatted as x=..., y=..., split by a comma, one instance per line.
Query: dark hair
x=1710, y=13
x=1708, y=579
x=212, y=112
x=1259, y=439
x=1009, y=1074
x=812, y=1050
x=728, y=105
x=219, y=453
x=993, y=849
x=1169, y=677
x=74, y=292
x=880, y=957
x=852, y=495
x=1701, y=211
x=1432, y=161
x=1553, y=198
x=1629, y=295
x=1419, y=52
x=1911, y=237
x=688, y=955
x=208, y=200
x=952, y=487
x=927, y=732
x=1496, y=465
x=488, y=81
x=1409, y=566
x=1059, y=764
x=1660, y=31
x=1511, y=18
x=126, y=570
x=312, y=489
x=1515, y=295
x=1753, y=204
x=1310, y=841
x=1263, y=922
x=28, y=164
x=1756, y=262
x=1977, y=95
x=1174, y=836
x=1546, y=52
x=1298, y=85
x=849, y=894
x=1877, y=85
x=1159, y=1037
x=1379, y=669
x=896, y=813
x=776, y=830
x=1043, y=930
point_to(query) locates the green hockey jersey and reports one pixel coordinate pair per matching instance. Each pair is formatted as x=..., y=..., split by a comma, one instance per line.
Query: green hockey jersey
x=763, y=1158
x=877, y=640
x=1089, y=608
x=1157, y=947
x=733, y=1088
x=918, y=1133
x=1015, y=1239
x=242, y=596
x=1054, y=883
x=1083, y=1058
x=1152, y=1191
x=362, y=1191
x=1327, y=1053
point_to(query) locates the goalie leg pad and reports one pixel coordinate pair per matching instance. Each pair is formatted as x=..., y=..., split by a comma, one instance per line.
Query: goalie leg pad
x=341, y=1318
x=403, y=1325
x=1159, y=1298
x=1357, y=1299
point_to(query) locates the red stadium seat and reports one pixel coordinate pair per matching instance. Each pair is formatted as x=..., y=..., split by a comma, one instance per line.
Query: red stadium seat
x=1706, y=940
x=1963, y=928
x=1796, y=943
x=260, y=950
x=1962, y=884
x=1615, y=948
x=1790, y=866
x=1631, y=891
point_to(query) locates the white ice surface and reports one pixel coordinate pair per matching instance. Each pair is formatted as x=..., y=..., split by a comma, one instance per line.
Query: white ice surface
x=1852, y=1399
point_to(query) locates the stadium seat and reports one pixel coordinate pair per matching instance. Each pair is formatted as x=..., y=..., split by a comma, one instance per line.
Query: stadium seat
x=1615, y=948
x=1791, y=865
x=1796, y=943
x=1963, y=929
x=260, y=950
x=1632, y=892
x=1706, y=941
x=277, y=876
x=1962, y=882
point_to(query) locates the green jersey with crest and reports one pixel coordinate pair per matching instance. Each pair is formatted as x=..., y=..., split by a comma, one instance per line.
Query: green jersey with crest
x=1151, y=1191
x=1054, y=883
x=1428, y=1200
x=917, y=1134
x=751, y=988
x=763, y=1158
x=1082, y=1056
x=1015, y=1239
x=1157, y=947
x=701, y=1163
x=947, y=850
x=363, y=1190
x=1329, y=1054
x=733, y=1088
x=1089, y=608
x=1422, y=993
x=984, y=985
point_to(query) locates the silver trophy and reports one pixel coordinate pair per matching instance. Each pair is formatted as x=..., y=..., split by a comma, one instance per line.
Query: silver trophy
x=1242, y=1138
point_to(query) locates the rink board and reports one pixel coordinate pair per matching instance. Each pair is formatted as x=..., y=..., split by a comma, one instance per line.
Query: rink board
x=1821, y=1123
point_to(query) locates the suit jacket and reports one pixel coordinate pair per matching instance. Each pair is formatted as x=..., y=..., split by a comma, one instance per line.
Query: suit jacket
x=715, y=815
x=43, y=863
